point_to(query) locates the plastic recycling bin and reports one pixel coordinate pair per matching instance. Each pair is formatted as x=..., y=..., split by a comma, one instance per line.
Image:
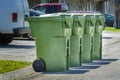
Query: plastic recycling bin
x=89, y=26
x=52, y=38
x=76, y=39
x=97, y=44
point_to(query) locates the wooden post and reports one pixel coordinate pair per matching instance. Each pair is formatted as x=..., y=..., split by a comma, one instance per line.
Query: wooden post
x=117, y=14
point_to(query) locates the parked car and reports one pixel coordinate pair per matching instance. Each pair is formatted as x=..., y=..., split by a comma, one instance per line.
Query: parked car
x=35, y=13
x=32, y=13
x=12, y=19
x=109, y=20
x=51, y=7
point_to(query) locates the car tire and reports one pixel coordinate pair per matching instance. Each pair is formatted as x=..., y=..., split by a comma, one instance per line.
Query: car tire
x=5, y=39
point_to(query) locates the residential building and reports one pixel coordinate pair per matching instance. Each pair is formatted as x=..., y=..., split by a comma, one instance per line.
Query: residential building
x=103, y=6
x=74, y=5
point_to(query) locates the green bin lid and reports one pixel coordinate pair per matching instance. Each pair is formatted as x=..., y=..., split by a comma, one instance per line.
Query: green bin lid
x=79, y=17
x=55, y=17
x=91, y=17
x=100, y=18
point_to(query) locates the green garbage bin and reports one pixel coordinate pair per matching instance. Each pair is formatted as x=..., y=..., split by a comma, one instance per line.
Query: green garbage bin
x=76, y=39
x=52, y=38
x=97, y=44
x=86, y=55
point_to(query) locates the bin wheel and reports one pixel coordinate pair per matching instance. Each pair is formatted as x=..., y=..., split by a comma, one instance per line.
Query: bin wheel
x=38, y=65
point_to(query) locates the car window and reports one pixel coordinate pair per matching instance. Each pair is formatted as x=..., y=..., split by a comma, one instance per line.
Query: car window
x=52, y=9
x=110, y=17
x=41, y=8
x=35, y=13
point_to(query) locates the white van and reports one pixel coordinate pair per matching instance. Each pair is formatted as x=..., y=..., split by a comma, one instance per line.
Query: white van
x=12, y=19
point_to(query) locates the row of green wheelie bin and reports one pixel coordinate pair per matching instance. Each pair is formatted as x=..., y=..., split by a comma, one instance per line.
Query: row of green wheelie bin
x=66, y=40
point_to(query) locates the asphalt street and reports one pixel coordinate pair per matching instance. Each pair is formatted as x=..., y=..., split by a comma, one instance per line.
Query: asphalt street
x=19, y=49
x=106, y=69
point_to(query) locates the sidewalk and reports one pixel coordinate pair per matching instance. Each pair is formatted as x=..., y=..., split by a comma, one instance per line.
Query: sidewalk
x=105, y=69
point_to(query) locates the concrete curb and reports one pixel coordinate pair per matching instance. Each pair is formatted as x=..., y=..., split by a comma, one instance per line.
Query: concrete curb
x=17, y=73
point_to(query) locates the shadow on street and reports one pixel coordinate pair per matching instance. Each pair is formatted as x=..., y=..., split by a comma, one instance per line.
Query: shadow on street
x=107, y=37
x=85, y=67
x=17, y=46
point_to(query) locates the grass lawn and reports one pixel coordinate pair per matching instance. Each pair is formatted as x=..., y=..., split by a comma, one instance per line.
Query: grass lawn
x=10, y=65
x=112, y=29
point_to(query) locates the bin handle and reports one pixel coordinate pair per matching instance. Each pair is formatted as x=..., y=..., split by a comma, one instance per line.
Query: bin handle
x=68, y=21
x=81, y=21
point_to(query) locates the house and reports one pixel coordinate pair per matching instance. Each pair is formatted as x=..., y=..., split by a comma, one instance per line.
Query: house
x=84, y=5
x=103, y=6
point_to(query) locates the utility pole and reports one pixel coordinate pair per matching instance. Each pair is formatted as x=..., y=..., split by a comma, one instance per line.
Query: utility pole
x=117, y=3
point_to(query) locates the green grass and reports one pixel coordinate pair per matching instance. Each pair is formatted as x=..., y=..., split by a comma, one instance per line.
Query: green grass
x=112, y=29
x=10, y=65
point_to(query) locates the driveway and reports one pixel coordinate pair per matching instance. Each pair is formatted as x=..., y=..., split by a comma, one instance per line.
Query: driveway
x=19, y=49
x=106, y=69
